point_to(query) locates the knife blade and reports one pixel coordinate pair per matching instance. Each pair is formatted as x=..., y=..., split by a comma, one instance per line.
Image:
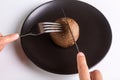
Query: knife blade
x=76, y=45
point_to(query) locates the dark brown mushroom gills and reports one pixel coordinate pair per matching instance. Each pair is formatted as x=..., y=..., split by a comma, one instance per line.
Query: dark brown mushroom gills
x=64, y=39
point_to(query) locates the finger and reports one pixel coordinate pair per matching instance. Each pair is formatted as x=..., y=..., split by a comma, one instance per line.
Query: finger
x=9, y=38
x=0, y=35
x=1, y=45
x=96, y=75
x=82, y=67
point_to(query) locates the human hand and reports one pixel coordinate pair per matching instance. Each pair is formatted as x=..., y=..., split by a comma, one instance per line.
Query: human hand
x=83, y=69
x=7, y=39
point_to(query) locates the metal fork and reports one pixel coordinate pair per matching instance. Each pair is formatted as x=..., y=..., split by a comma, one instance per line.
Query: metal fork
x=45, y=27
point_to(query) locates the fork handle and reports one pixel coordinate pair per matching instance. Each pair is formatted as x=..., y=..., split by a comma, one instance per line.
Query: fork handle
x=29, y=34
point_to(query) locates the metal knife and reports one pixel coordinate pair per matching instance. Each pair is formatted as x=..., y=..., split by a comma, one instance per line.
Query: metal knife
x=76, y=45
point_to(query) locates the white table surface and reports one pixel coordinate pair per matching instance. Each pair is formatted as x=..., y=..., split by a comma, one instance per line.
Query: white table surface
x=14, y=65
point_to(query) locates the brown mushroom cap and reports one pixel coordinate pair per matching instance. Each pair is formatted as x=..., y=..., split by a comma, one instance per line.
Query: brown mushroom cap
x=64, y=38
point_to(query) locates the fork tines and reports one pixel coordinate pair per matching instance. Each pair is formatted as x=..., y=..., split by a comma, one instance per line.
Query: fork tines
x=50, y=27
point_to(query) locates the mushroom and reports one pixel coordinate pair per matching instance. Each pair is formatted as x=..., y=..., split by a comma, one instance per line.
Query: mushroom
x=64, y=38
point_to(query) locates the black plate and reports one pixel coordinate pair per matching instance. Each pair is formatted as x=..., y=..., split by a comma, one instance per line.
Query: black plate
x=94, y=41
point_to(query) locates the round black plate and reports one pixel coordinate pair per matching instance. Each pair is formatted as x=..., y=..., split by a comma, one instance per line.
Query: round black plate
x=94, y=41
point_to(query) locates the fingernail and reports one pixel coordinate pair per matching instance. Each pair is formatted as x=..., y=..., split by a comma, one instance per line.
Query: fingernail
x=81, y=54
x=16, y=36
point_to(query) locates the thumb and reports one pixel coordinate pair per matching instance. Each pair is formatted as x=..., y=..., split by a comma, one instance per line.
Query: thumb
x=9, y=38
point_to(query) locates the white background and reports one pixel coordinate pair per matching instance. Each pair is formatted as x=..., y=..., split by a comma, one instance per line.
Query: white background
x=14, y=65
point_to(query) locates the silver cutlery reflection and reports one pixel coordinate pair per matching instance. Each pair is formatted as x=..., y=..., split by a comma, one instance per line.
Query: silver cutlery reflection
x=45, y=27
